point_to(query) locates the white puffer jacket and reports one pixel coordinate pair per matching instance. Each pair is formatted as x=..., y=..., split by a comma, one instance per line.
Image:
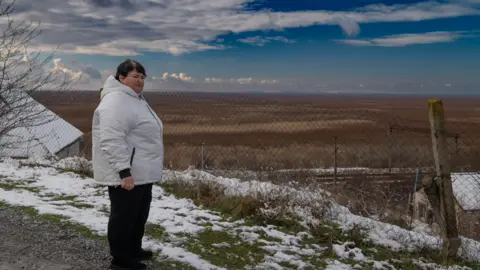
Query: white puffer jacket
x=126, y=134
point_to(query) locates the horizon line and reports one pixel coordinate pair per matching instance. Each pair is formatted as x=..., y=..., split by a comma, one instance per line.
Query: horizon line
x=285, y=92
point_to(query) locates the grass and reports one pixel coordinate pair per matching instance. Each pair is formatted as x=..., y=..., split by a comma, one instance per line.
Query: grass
x=255, y=131
x=329, y=233
x=236, y=255
x=247, y=208
x=279, y=132
x=82, y=171
x=156, y=231
x=293, y=126
x=68, y=200
x=212, y=197
x=326, y=234
x=160, y=262
x=60, y=220
x=227, y=249
x=10, y=185
x=288, y=154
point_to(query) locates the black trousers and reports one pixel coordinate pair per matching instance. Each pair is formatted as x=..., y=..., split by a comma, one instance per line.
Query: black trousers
x=129, y=212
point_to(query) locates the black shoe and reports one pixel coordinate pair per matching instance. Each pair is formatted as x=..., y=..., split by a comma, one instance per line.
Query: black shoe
x=118, y=264
x=143, y=255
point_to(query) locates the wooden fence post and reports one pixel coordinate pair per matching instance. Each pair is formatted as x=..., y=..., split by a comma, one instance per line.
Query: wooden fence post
x=443, y=176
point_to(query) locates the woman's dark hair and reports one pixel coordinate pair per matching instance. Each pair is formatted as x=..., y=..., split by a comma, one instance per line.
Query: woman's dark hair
x=127, y=66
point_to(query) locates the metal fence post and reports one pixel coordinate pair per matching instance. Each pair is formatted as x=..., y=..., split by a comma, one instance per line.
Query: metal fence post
x=203, y=156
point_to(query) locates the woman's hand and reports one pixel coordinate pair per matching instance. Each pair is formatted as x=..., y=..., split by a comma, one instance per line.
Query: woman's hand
x=127, y=183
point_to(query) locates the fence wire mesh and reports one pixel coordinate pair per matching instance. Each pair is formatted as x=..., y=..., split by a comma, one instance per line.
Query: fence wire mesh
x=373, y=156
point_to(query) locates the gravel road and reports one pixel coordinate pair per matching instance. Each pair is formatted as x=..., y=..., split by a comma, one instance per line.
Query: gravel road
x=32, y=243
x=29, y=242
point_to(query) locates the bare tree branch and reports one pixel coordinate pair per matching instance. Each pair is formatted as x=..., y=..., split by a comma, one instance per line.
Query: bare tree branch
x=21, y=74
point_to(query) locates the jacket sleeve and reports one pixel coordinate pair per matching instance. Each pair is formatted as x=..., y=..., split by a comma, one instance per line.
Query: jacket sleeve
x=116, y=120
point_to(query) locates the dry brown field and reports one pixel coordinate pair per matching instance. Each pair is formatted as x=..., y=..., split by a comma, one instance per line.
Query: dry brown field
x=258, y=131
x=242, y=133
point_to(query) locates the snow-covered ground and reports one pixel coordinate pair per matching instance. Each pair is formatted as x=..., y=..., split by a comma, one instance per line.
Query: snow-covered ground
x=265, y=172
x=51, y=191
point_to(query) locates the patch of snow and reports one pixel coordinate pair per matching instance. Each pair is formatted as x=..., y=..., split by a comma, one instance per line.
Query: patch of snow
x=175, y=215
x=183, y=216
x=337, y=265
x=422, y=227
x=348, y=250
x=37, y=160
x=74, y=163
x=223, y=244
x=353, y=170
x=435, y=266
x=268, y=265
x=384, y=234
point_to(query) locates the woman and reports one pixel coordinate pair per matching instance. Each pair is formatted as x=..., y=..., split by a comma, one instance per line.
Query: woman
x=127, y=156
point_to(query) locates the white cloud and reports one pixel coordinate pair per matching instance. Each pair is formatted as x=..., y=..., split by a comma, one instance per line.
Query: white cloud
x=229, y=81
x=180, y=76
x=248, y=80
x=213, y=80
x=61, y=76
x=174, y=83
x=262, y=41
x=59, y=68
x=268, y=81
x=104, y=49
x=409, y=39
x=126, y=47
x=244, y=80
x=427, y=10
x=86, y=77
x=127, y=27
x=77, y=75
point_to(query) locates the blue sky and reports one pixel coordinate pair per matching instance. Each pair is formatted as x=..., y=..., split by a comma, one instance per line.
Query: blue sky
x=271, y=45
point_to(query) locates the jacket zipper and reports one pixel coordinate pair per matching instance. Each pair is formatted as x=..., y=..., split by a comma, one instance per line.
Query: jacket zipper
x=131, y=157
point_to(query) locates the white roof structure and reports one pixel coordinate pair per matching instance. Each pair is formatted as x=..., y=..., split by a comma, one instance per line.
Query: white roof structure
x=466, y=189
x=40, y=132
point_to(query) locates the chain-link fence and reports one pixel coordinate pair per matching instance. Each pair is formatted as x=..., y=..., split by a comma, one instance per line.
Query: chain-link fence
x=374, y=155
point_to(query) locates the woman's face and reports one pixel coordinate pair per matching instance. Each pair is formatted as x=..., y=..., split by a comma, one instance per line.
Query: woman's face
x=134, y=80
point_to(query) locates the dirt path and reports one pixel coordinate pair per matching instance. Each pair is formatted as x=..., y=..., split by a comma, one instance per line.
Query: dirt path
x=28, y=242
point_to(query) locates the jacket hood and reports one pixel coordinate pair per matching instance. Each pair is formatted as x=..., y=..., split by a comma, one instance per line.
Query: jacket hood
x=113, y=85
